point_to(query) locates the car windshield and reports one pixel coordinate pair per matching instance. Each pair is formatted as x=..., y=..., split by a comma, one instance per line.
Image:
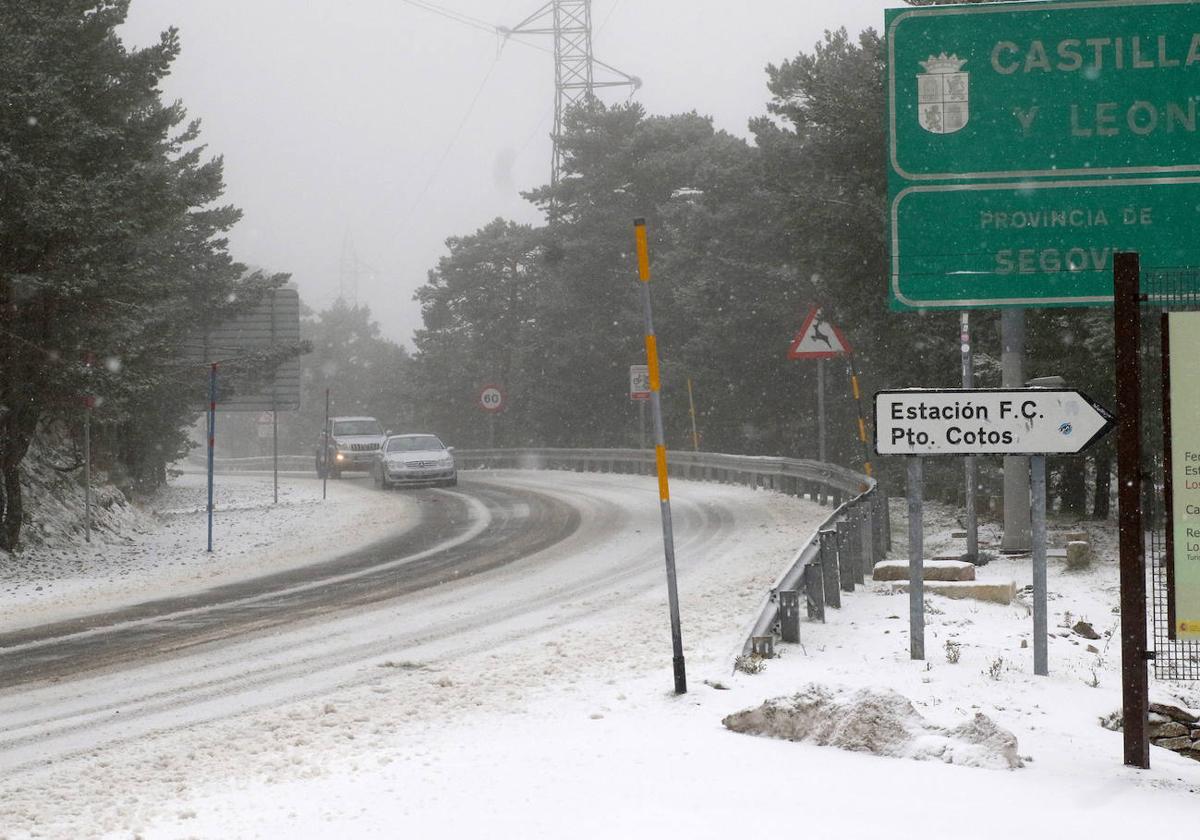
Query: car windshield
x=356, y=427
x=415, y=443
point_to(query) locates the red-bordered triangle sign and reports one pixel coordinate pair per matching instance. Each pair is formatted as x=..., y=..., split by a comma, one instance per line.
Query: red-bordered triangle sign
x=818, y=339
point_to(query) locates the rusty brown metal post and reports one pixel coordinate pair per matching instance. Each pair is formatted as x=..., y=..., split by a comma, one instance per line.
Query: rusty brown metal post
x=1135, y=699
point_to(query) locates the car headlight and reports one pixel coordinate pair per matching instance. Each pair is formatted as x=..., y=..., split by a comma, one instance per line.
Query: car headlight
x=340, y=456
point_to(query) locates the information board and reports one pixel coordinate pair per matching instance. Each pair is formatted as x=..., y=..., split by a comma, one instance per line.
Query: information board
x=1182, y=436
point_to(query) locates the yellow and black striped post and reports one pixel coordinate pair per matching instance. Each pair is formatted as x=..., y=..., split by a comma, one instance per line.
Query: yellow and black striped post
x=862, y=423
x=660, y=454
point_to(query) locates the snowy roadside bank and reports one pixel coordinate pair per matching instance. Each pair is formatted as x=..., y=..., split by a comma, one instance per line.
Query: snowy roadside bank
x=612, y=753
x=557, y=718
x=164, y=550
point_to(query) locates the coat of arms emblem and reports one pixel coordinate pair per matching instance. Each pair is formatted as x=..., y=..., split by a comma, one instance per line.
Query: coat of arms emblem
x=942, y=94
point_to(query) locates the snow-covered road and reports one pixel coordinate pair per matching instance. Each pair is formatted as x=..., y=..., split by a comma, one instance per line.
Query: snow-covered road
x=284, y=699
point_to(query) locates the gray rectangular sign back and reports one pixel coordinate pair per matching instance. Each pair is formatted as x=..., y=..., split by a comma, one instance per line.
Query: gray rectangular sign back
x=275, y=322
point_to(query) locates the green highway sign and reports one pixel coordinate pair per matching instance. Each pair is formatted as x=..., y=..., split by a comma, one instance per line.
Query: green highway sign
x=1044, y=89
x=1041, y=243
x=1021, y=136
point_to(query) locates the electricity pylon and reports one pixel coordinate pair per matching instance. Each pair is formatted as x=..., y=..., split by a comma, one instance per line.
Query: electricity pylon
x=575, y=68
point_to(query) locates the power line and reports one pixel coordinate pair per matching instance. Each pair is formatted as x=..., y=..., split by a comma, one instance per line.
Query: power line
x=453, y=15
x=457, y=132
x=474, y=23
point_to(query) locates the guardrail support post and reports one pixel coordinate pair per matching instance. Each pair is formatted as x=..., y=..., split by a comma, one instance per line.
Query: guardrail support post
x=866, y=541
x=827, y=541
x=814, y=591
x=887, y=523
x=789, y=615
x=878, y=515
x=846, y=562
x=854, y=526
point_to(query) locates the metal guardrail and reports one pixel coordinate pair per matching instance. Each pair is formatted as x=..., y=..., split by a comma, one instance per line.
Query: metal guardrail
x=837, y=557
x=255, y=463
x=788, y=475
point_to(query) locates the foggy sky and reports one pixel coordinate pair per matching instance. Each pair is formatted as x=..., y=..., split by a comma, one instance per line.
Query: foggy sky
x=336, y=117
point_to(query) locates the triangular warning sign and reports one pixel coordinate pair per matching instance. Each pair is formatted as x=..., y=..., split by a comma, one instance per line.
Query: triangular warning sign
x=818, y=339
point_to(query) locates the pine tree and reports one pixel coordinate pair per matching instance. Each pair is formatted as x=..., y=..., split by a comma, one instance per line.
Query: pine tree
x=111, y=241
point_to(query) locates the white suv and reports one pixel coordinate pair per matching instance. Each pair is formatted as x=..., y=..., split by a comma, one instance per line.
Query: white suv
x=350, y=443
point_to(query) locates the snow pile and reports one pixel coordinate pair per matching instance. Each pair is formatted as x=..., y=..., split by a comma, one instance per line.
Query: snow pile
x=878, y=721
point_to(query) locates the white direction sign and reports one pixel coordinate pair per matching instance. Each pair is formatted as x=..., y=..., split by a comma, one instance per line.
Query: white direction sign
x=1022, y=421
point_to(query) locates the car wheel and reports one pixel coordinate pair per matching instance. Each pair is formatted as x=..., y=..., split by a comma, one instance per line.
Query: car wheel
x=451, y=482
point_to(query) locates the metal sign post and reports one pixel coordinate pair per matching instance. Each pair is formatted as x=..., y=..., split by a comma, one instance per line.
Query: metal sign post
x=916, y=561
x=821, y=410
x=88, y=403
x=660, y=455
x=1017, y=537
x=970, y=465
x=1135, y=683
x=325, y=441
x=1037, y=488
x=212, y=437
x=275, y=448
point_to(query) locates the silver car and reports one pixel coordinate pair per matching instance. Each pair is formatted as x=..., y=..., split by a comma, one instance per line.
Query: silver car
x=414, y=459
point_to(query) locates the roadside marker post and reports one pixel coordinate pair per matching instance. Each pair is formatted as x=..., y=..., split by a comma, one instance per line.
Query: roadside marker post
x=212, y=436
x=660, y=455
x=692, y=412
x=89, y=402
x=325, y=449
x=856, y=392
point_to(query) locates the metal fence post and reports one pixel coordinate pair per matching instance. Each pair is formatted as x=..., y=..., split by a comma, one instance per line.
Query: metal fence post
x=789, y=615
x=854, y=543
x=815, y=591
x=887, y=522
x=881, y=522
x=846, y=570
x=867, y=539
x=827, y=541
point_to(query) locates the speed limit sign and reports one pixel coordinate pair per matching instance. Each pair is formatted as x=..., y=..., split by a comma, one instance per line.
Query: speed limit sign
x=491, y=398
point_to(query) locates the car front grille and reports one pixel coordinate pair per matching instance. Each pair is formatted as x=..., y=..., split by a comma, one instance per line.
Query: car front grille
x=421, y=464
x=363, y=447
